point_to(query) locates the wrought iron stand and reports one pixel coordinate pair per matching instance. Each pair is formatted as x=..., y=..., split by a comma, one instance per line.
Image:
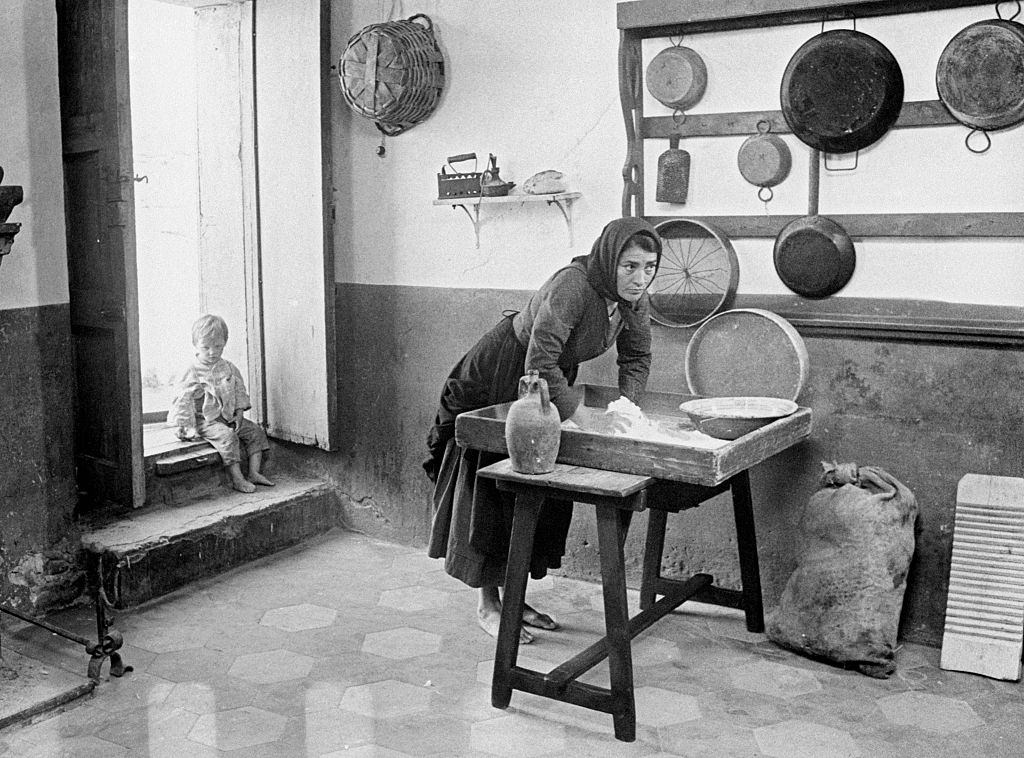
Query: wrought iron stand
x=108, y=641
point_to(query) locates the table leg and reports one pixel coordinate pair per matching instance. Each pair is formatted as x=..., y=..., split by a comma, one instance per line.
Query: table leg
x=524, y=525
x=616, y=621
x=653, y=549
x=746, y=541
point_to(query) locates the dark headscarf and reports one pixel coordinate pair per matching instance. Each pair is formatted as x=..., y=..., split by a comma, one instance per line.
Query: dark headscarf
x=602, y=263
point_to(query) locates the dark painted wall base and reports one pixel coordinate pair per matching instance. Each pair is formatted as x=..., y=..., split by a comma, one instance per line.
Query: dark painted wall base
x=927, y=412
x=37, y=486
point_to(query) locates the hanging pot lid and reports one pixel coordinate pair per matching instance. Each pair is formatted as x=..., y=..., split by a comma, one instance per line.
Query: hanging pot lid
x=746, y=352
x=841, y=91
x=980, y=75
x=677, y=77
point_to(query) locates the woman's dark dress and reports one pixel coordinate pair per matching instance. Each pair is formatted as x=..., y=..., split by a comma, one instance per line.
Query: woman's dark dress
x=565, y=323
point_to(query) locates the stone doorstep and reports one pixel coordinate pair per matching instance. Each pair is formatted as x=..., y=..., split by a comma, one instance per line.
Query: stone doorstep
x=160, y=548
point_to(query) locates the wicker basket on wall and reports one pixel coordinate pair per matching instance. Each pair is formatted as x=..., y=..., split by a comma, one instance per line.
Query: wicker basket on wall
x=393, y=73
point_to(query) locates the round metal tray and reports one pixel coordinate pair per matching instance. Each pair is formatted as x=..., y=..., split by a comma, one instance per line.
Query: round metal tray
x=746, y=352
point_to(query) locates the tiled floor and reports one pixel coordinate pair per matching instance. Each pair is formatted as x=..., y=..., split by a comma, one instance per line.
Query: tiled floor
x=351, y=647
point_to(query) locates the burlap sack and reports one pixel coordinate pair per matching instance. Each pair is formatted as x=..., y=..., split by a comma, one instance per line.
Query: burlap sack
x=842, y=603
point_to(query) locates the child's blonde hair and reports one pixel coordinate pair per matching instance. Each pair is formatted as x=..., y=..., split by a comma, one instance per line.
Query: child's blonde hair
x=209, y=325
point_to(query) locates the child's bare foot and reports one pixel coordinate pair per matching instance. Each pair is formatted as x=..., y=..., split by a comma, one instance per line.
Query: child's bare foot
x=489, y=621
x=258, y=478
x=243, y=486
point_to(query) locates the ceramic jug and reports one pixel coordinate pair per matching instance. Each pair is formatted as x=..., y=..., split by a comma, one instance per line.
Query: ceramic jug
x=532, y=429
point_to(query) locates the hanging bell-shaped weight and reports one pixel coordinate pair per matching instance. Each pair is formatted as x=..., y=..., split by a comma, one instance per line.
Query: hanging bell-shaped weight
x=673, y=174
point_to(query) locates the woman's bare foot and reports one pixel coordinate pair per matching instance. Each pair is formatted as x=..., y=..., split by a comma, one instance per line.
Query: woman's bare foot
x=490, y=621
x=243, y=486
x=488, y=615
x=258, y=478
x=532, y=617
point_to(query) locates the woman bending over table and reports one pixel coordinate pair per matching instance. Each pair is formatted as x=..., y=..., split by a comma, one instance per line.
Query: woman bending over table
x=584, y=308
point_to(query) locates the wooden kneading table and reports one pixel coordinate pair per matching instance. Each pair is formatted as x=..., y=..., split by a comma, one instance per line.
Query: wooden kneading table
x=620, y=476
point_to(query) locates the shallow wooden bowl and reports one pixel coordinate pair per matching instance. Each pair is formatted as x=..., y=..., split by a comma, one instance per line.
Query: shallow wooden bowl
x=728, y=418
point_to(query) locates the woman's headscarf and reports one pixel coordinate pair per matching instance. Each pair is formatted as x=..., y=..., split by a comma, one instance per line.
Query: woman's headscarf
x=602, y=263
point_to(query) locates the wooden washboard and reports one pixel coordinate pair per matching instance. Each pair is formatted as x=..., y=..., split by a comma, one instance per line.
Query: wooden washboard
x=985, y=605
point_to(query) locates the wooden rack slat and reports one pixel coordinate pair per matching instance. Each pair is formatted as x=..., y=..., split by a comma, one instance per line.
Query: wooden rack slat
x=913, y=114
x=662, y=18
x=875, y=224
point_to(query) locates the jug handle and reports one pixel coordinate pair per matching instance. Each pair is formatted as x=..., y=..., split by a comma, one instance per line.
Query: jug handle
x=533, y=380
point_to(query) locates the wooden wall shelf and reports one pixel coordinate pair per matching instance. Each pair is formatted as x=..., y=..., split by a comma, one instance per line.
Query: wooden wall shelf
x=561, y=200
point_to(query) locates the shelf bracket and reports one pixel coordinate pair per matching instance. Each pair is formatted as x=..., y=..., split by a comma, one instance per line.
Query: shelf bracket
x=474, y=218
x=566, y=210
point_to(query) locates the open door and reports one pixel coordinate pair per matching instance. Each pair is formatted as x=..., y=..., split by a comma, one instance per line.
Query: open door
x=100, y=215
x=296, y=228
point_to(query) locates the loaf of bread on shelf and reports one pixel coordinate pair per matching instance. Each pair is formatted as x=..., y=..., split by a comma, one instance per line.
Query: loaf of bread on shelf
x=545, y=183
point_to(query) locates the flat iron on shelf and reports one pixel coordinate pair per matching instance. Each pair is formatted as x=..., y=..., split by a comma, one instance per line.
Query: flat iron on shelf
x=458, y=183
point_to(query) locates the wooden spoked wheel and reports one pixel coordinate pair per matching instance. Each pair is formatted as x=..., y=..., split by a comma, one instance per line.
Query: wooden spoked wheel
x=698, y=274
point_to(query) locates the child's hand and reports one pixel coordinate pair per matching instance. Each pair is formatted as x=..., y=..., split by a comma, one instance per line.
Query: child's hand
x=187, y=433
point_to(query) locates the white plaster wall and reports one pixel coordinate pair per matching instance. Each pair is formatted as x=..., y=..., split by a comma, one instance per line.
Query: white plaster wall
x=536, y=83
x=35, y=272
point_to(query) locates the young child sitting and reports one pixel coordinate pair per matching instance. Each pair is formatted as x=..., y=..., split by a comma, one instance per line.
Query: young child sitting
x=211, y=401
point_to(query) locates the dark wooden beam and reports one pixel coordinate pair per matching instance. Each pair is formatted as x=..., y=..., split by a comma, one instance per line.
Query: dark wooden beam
x=913, y=114
x=875, y=224
x=662, y=18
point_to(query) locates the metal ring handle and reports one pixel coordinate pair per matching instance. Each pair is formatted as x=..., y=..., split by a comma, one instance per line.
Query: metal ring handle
x=762, y=197
x=988, y=141
x=767, y=125
x=1011, y=18
x=678, y=118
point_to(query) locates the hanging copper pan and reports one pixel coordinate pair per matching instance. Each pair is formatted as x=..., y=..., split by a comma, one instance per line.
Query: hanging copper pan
x=980, y=75
x=841, y=91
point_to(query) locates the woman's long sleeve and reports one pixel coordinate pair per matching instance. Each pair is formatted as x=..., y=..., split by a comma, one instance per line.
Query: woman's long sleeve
x=634, y=351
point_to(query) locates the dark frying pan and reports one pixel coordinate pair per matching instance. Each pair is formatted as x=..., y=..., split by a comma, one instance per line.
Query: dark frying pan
x=841, y=91
x=980, y=75
x=814, y=256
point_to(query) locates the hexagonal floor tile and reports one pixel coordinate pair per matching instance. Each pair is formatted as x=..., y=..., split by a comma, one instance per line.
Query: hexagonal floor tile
x=804, y=739
x=425, y=734
x=413, y=598
x=138, y=690
x=367, y=751
x=238, y=728
x=271, y=666
x=385, y=699
x=775, y=679
x=516, y=736
x=294, y=618
x=659, y=707
x=402, y=643
x=650, y=651
x=200, y=665
x=171, y=637
x=933, y=713
x=485, y=669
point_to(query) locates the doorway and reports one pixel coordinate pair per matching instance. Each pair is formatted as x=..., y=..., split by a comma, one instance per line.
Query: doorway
x=191, y=94
x=165, y=147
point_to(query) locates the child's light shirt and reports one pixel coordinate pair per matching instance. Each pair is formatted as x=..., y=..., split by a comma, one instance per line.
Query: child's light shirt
x=222, y=390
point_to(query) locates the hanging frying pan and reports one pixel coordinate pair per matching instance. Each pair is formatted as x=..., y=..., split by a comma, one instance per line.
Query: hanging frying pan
x=841, y=91
x=814, y=256
x=677, y=77
x=764, y=160
x=980, y=75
